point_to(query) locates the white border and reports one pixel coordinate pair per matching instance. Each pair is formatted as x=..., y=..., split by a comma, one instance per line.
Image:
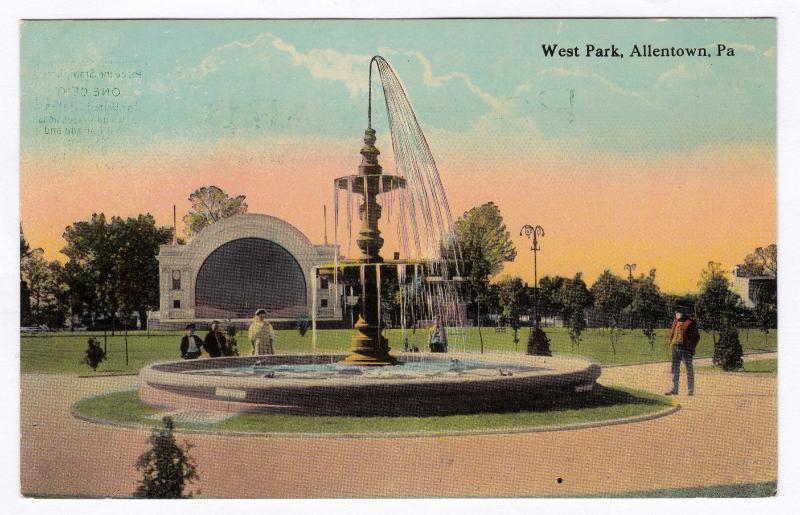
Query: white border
x=789, y=235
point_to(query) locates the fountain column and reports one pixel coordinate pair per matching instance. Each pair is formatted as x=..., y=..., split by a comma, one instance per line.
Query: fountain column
x=368, y=345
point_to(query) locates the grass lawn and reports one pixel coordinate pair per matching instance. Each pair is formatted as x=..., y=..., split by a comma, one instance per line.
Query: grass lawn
x=760, y=366
x=609, y=403
x=63, y=352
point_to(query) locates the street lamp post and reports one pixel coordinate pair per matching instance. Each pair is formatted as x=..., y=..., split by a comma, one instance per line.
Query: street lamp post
x=630, y=267
x=534, y=233
x=538, y=342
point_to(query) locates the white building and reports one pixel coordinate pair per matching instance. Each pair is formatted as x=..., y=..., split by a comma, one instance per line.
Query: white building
x=748, y=286
x=238, y=265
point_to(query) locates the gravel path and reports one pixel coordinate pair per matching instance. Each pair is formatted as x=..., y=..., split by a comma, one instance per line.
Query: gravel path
x=726, y=433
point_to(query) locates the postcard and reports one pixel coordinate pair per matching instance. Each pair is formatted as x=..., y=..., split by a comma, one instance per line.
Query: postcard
x=398, y=258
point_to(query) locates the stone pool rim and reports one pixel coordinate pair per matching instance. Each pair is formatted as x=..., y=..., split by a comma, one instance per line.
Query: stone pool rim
x=170, y=373
x=165, y=384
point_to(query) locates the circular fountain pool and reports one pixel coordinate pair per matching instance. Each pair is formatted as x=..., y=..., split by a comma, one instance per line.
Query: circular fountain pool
x=424, y=384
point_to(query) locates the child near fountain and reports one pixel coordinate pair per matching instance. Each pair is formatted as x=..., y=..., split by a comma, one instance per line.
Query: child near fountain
x=261, y=334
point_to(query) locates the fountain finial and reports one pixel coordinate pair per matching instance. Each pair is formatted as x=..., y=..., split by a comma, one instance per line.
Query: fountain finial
x=370, y=151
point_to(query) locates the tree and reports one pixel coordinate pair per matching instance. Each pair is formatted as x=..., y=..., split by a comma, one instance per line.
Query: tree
x=762, y=261
x=112, y=266
x=25, y=315
x=550, y=295
x=716, y=305
x=46, y=289
x=167, y=467
x=766, y=311
x=485, y=244
x=612, y=295
x=728, y=351
x=647, y=306
x=90, y=266
x=575, y=297
x=135, y=265
x=211, y=204
x=513, y=299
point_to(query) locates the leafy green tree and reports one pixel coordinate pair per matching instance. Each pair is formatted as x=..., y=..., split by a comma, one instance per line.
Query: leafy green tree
x=575, y=297
x=647, y=306
x=513, y=300
x=612, y=294
x=211, y=204
x=45, y=287
x=716, y=306
x=112, y=266
x=766, y=311
x=550, y=295
x=485, y=244
x=167, y=467
x=135, y=265
x=762, y=261
x=90, y=266
x=25, y=315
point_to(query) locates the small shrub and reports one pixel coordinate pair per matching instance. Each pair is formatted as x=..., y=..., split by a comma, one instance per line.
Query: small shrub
x=539, y=343
x=94, y=354
x=167, y=467
x=232, y=349
x=728, y=350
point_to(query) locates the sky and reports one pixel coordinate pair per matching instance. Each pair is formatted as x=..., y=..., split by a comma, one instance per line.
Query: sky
x=666, y=162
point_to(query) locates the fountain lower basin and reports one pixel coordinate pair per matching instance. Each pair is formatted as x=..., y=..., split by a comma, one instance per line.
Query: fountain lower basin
x=317, y=384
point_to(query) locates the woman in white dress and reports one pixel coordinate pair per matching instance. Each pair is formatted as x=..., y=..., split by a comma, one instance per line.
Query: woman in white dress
x=261, y=334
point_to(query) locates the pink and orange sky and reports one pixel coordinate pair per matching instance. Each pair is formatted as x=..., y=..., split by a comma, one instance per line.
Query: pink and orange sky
x=666, y=163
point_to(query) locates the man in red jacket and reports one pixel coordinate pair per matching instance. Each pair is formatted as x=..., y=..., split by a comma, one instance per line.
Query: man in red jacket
x=683, y=339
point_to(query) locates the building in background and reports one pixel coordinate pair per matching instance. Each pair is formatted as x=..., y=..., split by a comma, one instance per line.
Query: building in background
x=749, y=287
x=238, y=265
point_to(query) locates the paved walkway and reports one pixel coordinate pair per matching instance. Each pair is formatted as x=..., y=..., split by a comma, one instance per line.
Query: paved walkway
x=727, y=433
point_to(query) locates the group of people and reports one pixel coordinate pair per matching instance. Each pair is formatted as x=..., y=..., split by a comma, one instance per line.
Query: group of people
x=683, y=339
x=260, y=334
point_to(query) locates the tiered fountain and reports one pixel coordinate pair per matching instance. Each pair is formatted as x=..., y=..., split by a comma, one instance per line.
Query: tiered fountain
x=370, y=346
x=370, y=380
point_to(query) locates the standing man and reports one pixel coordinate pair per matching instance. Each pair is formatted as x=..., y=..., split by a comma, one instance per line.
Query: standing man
x=191, y=344
x=215, y=343
x=683, y=339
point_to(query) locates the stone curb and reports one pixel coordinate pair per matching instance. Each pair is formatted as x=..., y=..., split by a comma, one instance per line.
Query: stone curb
x=108, y=374
x=399, y=434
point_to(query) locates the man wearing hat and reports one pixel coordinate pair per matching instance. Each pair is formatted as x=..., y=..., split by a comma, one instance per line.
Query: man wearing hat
x=191, y=344
x=683, y=338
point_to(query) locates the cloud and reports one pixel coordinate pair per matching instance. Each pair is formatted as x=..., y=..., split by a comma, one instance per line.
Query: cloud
x=435, y=81
x=678, y=72
x=321, y=63
x=611, y=86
